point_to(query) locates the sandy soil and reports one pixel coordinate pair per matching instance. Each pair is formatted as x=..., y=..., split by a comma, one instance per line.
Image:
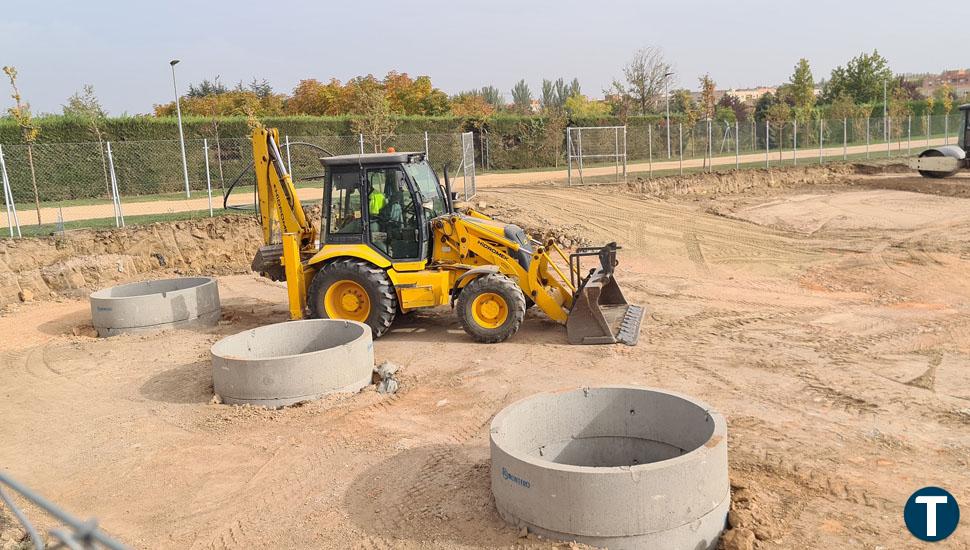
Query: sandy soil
x=837, y=351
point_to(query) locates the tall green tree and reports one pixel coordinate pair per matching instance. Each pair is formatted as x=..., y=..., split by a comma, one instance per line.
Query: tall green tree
x=492, y=96
x=522, y=98
x=862, y=78
x=800, y=90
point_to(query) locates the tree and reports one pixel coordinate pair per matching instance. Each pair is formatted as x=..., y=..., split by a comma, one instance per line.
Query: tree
x=471, y=105
x=373, y=116
x=84, y=105
x=522, y=98
x=861, y=79
x=492, y=96
x=944, y=95
x=579, y=105
x=207, y=88
x=800, y=91
x=555, y=94
x=312, y=97
x=708, y=96
x=643, y=78
x=733, y=102
x=29, y=132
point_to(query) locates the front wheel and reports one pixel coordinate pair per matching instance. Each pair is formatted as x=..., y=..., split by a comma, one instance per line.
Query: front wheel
x=491, y=308
x=356, y=291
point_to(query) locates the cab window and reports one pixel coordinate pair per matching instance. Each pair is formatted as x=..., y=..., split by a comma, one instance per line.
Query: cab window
x=431, y=197
x=391, y=210
x=345, y=216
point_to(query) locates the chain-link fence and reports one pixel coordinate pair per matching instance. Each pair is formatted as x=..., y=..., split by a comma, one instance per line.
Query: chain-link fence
x=707, y=144
x=50, y=187
x=57, y=186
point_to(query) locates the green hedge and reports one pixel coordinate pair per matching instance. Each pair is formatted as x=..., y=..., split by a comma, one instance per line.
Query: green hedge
x=60, y=129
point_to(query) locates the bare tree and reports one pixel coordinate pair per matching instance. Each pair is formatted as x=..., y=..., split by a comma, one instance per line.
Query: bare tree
x=373, y=119
x=85, y=106
x=20, y=112
x=643, y=78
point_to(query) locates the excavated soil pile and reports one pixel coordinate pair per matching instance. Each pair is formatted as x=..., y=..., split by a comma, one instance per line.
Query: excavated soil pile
x=78, y=262
x=727, y=182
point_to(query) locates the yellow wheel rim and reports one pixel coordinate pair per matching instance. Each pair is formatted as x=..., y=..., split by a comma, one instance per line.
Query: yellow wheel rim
x=347, y=300
x=489, y=310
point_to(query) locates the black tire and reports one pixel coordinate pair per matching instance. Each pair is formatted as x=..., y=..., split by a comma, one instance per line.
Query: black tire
x=374, y=280
x=932, y=174
x=510, y=293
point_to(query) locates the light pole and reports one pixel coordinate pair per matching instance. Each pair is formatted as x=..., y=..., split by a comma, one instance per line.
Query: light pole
x=178, y=111
x=667, y=95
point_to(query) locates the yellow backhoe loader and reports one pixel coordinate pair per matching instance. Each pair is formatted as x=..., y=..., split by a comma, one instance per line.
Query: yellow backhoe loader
x=392, y=241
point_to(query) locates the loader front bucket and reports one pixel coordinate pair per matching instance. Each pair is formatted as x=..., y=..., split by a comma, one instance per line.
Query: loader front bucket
x=600, y=314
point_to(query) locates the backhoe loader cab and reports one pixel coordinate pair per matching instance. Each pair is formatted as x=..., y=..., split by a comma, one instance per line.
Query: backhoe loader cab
x=385, y=201
x=391, y=242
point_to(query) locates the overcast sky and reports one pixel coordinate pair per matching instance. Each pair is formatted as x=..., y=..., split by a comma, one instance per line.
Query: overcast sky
x=123, y=47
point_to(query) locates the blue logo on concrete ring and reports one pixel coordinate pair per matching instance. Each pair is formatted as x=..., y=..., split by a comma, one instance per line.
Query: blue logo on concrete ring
x=931, y=514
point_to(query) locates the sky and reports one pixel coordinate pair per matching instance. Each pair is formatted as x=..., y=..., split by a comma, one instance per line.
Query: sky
x=123, y=48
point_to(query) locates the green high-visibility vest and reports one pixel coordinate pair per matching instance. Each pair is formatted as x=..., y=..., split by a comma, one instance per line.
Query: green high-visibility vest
x=376, y=202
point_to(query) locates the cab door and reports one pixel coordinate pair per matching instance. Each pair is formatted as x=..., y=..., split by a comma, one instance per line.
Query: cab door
x=394, y=224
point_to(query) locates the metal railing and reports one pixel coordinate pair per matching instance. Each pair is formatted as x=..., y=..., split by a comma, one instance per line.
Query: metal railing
x=75, y=534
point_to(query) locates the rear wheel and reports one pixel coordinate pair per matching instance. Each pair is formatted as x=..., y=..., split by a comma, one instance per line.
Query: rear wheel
x=490, y=308
x=356, y=291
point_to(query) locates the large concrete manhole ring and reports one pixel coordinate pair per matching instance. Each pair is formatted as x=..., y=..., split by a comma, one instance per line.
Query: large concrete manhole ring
x=155, y=305
x=278, y=365
x=615, y=467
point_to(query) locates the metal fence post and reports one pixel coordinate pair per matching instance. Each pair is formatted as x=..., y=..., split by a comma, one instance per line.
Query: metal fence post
x=867, y=138
x=12, y=219
x=569, y=156
x=710, y=149
x=289, y=165
x=208, y=179
x=767, y=143
x=426, y=144
x=680, y=131
x=624, y=153
x=116, y=198
x=616, y=153
x=649, y=151
x=821, y=138
x=946, y=129
x=888, y=125
x=361, y=143
x=909, y=135
x=737, y=145
x=579, y=143
x=794, y=138
x=845, y=139
x=928, y=122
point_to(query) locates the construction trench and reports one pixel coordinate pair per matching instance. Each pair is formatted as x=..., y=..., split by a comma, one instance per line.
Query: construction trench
x=824, y=314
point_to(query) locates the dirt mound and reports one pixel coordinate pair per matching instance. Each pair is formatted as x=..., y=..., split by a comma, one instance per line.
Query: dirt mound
x=739, y=181
x=78, y=262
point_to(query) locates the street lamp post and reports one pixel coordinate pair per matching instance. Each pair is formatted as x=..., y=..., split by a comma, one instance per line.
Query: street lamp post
x=178, y=111
x=667, y=95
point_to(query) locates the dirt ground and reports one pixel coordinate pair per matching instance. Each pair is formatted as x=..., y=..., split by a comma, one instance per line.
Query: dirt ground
x=828, y=319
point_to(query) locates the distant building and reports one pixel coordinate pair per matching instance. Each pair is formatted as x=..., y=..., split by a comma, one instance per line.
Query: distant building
x=536, y=106
x=957, y=79
x=751, y=95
